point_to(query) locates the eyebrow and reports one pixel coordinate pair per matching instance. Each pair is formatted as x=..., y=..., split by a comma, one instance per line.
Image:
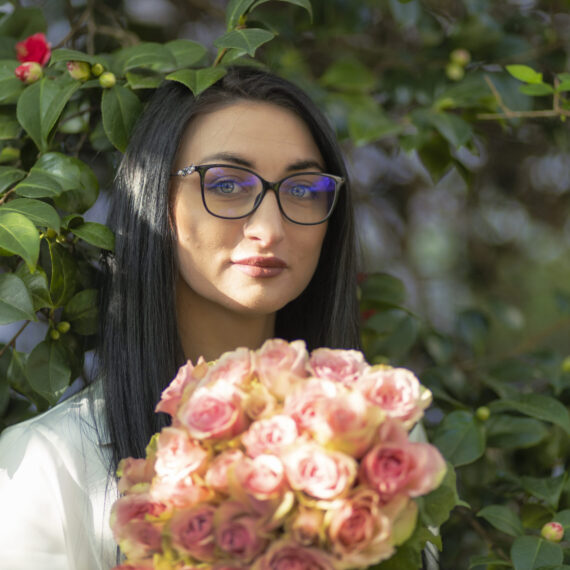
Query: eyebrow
x=239, y=160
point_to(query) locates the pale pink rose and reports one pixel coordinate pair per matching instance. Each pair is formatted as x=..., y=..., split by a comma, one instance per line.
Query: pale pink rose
x=177, y=455
x=318, y=472
x=134, y=475
x=347, y=423
x=191, y=532
x=213, y=412
x=288, y=555
x=262, y=477
x=140, y=539
x=306, y=526
x=343, y=366
x=397, y=466
x=183, y=492
x=188, y=376
x=270, y=435
x=135, y=507
x=237, y=532
x=397, y=391
x=234, y=367
x=358, y=531
x=280, y=365
x=217, y=474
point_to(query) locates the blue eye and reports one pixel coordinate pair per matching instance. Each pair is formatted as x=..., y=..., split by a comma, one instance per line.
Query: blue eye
x=225, y=186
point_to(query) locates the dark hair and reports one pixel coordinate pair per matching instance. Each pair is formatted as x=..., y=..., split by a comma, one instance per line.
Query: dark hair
x=140, y=351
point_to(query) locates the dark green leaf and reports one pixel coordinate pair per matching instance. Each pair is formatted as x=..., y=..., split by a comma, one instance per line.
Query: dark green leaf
x=40, y=106
x=531, y=552
x=369, y=125
x=39, y=184
x=37, y=285
x=186, y=52
x=235, y=10
x=563, y=517
x=81, y=312
x=10, y=87
x=19, y=236
x=306, y=4
x=23, y=22
x=63, y=274
x=511, y=432
x=487, y=562
x=9, y=176
x=537, y=89
x=349, y=74
x=197, y=80
x=436, y=506
x=502, y=518
x=9, y=126
x=48, y=370
x=524, y=73
x=149, y=55
x=537, y=406
x=121, y=109
x=41, y=213
x=64, y=54
x=248, y=39
x=96, y=234
x=460, y=438
x=15, y=301
x=143, y=80
x=455, y=130
x=473, y=327
x=546, y=489
x=383, y=290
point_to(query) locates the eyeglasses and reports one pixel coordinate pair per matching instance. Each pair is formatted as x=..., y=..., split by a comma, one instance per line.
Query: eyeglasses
x=233, y=192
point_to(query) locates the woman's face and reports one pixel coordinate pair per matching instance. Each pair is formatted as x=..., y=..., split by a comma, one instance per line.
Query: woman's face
x=253, y=265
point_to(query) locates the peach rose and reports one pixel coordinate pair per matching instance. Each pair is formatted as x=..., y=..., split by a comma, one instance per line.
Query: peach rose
x=140, y=540
x=343, y=366
x=134, y=475
x=288, y=555
x=397, y=391
x=307, y=526
x=234, y=367
x=271, y=435
x=191, y=532
x=217, y=474
x=177, y=455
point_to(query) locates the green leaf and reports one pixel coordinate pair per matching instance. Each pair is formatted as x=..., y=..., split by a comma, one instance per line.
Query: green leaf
x=186, y=52
x=460, y=438
x=248, y=40
x=37, y=285
x=503, y=519
x=383, y=291
x=436, y=506
x=524, y=73
x=473, y=327
x=531, y=552
x=306, y=4
x=39, y=184
x=15, y=301
x=81, y=312
x=536, y=90
x=368, y=124
x=235, y=10
x=563, y=86
x=563, y=517
x=48, y=370
x=455, y=130
x=40, y=106
x=96, y=234
x=9, y=176
x=149, y=55
x=511, y=432
x=120, y=108
x=351, y=75
x=546, y=489
x=63, y=280
x=41, y=213
x=487, y=562
x=197, y=80
x=537, y=406
x=10, y=87
x=23, y=22
x=142, y=80
x=64, y=54
x=9, y=126
x=19, y=236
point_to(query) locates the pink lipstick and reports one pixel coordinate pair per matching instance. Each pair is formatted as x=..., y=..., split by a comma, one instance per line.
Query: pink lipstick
x=259, y=266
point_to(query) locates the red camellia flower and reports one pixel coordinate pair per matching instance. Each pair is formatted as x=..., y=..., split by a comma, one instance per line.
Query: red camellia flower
x=35, y=48
x=29, y=72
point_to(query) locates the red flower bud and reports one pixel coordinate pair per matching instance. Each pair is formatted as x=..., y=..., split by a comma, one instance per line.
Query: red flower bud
x=35, y=48
x=80, y=70
x=552, y=531
x=29, y=72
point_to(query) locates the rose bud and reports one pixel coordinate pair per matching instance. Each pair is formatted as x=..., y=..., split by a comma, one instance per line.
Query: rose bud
x=107, y=80
x=552, y=531
x=29, y=72
x=35, y=48
x=79, y=70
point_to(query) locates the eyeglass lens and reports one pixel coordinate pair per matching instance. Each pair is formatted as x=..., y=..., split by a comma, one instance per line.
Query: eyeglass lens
x=233, y=193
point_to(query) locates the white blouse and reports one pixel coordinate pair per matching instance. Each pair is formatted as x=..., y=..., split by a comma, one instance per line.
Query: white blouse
x=55, y=490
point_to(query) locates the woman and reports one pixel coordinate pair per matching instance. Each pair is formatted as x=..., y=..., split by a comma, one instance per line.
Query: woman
x=195, y=272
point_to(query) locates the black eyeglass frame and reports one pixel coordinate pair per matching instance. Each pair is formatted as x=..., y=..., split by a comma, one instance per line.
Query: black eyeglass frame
x=265, y=186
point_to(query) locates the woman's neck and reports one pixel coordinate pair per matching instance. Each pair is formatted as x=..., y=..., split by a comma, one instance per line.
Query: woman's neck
x=209, y=329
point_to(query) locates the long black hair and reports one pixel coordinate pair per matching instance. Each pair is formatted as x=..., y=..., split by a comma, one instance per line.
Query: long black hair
x=139, y=349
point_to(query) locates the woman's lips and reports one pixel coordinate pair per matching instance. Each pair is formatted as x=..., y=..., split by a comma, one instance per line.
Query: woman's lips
x=260, y=266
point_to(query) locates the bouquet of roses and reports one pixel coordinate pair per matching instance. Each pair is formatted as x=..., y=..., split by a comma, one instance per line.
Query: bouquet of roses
x=278, y=459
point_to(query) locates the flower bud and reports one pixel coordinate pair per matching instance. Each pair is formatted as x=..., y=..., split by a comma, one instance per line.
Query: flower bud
x=454, y=71
x=79, y=70
x=552, y=531
x=54, y=334
x=51, y=233
x=107, y=79
x=63, y=327
x=483, y=413
x=97, y=69
x=566, y=364
x=29, y=72
x=460, y=56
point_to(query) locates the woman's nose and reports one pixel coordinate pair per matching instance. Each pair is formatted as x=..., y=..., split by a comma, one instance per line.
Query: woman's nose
x=266, y=224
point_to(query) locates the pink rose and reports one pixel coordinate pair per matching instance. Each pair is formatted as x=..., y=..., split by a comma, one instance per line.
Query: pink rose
x=271, y=435
x=29, y=72
x=217, y=474
x=177, y=455
x=213, y=412
x=180, y=493
x=318, y=472
x=34, y=48
x=140, y=540
x=188, y=376
x=237, y=532
x=281, y=364
x=397, y=391
x=136, y=507
x=134, y=475
x=234, y=367
x=398, y=466
x=192, y=532
x=288, y=555
x=359, y=532
x=262, y=477
x=343, y=366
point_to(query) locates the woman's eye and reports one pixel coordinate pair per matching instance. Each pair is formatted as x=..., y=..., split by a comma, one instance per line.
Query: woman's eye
x=224, y=186
x=300, y=191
